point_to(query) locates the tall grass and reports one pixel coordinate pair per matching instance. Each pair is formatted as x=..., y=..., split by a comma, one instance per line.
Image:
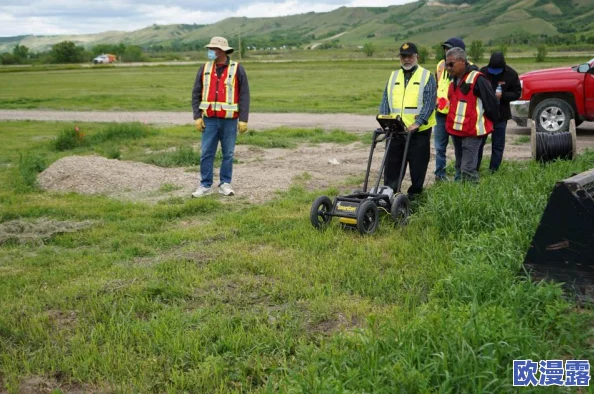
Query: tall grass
x=211, y=295
x=285, y=137
x=182, y=156
x=29, y=167
x=71, y=138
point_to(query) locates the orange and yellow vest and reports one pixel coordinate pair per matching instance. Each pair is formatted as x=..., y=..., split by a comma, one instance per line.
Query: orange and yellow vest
x=466, y=117
x=443, y=84
x=220, y=94
x=442, y=104
x=408, y=101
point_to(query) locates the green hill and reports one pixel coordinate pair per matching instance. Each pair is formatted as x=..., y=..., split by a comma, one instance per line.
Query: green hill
x=425, y=22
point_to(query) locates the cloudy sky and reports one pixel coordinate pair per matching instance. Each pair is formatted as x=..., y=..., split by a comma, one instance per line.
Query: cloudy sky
x=50, y=17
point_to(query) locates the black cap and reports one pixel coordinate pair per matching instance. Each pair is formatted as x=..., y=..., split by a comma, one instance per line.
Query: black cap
x=454, y=42
x=408, y=48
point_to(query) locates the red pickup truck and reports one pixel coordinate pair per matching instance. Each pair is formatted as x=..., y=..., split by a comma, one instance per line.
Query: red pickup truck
x=554, y=96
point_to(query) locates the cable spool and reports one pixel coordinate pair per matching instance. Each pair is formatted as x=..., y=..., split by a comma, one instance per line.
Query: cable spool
x=551, y=146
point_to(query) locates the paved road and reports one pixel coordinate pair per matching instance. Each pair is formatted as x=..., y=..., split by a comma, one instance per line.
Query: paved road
x=258, y=121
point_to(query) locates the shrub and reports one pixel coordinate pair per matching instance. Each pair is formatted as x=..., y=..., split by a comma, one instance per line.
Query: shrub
x=541, y=53
x=476, y=51
x=369, y=49
x=122, y=131
x=423, y=54
x=70, y=138
x=74, y=138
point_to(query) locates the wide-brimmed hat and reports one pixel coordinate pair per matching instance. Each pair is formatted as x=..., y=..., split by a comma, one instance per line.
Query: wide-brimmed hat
x=221, y=43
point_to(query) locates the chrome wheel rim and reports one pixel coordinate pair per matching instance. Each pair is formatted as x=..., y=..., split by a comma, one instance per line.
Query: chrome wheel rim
x=552, y=119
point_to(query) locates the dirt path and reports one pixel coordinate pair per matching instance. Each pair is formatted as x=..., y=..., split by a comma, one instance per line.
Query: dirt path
x=258, y=121
x=258, y=173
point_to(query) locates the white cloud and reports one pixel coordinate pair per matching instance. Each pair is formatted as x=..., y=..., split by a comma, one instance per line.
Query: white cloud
x=263, y=10
x=53, y=17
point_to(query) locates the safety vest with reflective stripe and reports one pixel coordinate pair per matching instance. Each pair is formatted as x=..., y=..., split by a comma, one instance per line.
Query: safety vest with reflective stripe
x=466, y=117
x=408, y=101
x=220, y=95
x=443, y=84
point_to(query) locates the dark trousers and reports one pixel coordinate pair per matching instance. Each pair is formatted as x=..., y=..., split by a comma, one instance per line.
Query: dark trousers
x=419, y=152
x=497, y=146
x=466, y=150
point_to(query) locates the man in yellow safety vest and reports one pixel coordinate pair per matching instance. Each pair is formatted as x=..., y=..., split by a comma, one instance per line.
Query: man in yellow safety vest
x=410, y=93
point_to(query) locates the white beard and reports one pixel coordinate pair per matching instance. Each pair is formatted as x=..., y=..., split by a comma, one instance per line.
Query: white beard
x=407, y=68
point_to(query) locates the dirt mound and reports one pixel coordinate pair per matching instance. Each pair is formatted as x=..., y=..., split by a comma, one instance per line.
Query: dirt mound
x=121, y=179
x=257, y=175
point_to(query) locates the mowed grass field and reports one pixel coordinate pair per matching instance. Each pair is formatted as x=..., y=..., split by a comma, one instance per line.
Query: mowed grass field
x=208, y=296
x=340, y=86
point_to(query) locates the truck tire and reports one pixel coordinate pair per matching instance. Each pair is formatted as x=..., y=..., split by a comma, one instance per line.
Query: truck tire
x=553, y=115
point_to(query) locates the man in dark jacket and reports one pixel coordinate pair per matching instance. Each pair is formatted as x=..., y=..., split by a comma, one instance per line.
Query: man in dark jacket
x=442, y=106
x=473, y=111
x=507, y=88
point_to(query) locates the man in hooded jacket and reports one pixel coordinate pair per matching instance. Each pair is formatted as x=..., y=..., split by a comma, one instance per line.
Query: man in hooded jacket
x=506, y=78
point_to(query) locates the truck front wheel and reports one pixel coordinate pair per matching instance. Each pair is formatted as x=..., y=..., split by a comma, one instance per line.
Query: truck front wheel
x=553, y=115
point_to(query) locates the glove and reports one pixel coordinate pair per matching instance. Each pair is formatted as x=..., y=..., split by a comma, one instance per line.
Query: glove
x=200, y=125
x=242, y=127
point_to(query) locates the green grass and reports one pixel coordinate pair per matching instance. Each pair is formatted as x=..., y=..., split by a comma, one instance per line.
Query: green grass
x=323, y=86
x=196, y=295
x=523, y=139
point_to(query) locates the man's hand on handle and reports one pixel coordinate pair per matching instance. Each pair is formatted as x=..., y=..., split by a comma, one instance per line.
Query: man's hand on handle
x=412, y=128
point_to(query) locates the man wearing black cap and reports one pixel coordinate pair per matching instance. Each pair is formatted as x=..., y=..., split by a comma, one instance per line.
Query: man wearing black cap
x=442, y=105
x=507, y=87
x=410, y=93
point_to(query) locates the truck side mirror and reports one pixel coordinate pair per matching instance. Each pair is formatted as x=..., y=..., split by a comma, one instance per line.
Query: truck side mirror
x=583, y=68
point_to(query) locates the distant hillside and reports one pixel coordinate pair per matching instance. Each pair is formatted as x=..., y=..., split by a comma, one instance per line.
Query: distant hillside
x=425, y=22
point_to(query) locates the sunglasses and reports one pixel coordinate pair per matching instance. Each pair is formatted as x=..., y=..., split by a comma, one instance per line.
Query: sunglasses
x=450, y=64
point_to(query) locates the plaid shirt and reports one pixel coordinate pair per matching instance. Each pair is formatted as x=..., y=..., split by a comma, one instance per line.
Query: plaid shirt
x=429, y=97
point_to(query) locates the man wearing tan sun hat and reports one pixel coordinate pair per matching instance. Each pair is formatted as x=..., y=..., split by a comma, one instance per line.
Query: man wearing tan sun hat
x=221, y=105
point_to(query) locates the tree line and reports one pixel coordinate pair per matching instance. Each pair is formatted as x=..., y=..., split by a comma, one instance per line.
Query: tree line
x=69, y=52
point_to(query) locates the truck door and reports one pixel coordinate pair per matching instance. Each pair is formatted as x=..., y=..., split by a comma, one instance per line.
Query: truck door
x=589, y=92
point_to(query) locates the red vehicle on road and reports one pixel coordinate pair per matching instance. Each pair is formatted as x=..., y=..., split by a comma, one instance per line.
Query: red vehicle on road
x=552, y=97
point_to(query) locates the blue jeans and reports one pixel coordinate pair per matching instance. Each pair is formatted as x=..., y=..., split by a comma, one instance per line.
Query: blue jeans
x=440, y=142
x=217, y=129
x=497, y=146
